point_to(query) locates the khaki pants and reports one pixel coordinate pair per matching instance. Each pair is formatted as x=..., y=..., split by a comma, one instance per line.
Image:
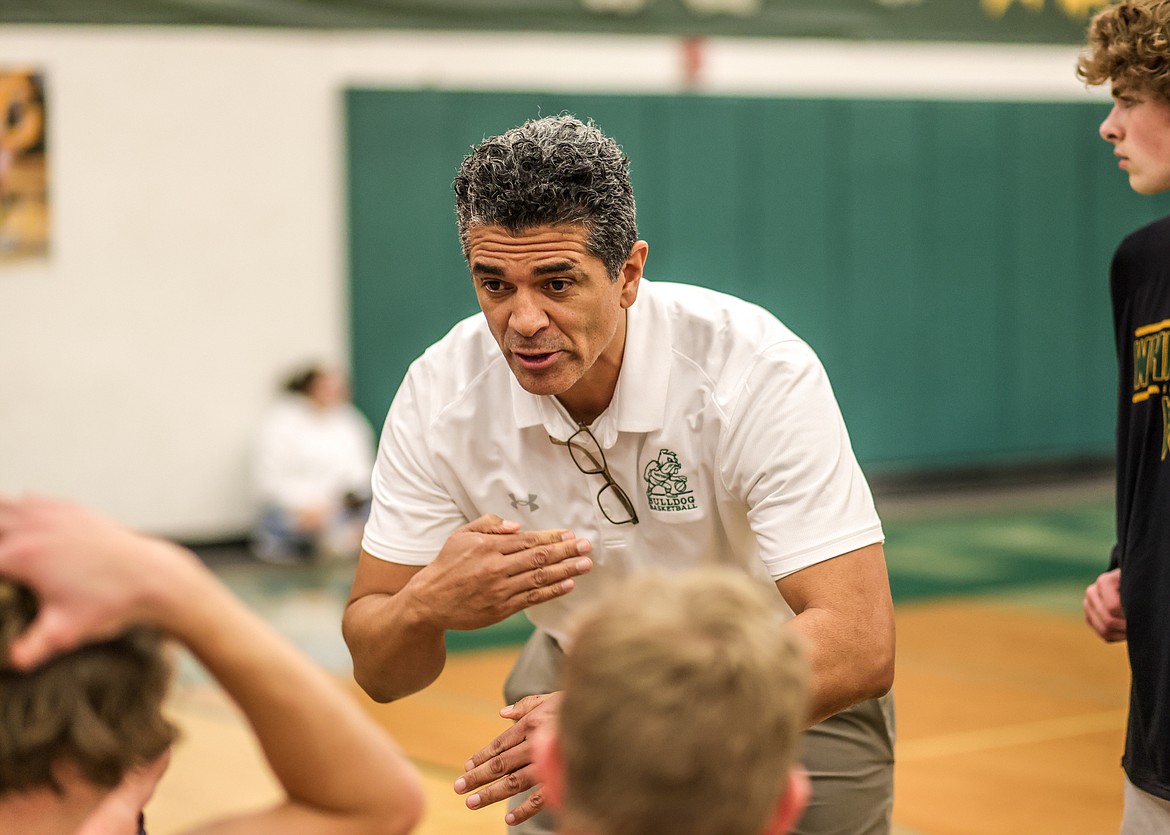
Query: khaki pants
x=1145, y=813
x=850, y=756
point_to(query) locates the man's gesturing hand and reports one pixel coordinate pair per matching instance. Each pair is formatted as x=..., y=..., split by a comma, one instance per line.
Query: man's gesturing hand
x=504, y=768
x=489, y=569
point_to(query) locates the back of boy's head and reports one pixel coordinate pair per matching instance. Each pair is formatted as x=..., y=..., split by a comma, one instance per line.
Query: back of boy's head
x=1129, y=46
x=683, y=700
x=98, y=707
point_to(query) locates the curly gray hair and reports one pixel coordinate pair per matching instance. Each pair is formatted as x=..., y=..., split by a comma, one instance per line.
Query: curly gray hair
x=555, y=170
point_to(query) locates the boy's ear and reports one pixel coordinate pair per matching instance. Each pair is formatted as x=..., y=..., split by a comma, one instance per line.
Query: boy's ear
x=791, y=803
x=550, y=767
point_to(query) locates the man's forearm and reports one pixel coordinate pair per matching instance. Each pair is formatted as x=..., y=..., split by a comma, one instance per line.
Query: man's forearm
x=846, y=616
x=395, y=651
x=844, y=669
x=486, y=571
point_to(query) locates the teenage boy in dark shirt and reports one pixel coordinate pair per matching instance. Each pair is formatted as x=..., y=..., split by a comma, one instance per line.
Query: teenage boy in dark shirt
x=1129, y=48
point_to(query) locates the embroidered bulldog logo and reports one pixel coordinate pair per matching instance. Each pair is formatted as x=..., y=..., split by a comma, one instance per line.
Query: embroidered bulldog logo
x=666, y=486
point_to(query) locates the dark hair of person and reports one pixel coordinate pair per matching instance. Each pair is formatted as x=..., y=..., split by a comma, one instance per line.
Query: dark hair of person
x=547, y=172
x=98, y=707
x=302, y=381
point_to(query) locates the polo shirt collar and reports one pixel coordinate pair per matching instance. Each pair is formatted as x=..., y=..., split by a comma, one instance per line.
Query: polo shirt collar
x=639, y=402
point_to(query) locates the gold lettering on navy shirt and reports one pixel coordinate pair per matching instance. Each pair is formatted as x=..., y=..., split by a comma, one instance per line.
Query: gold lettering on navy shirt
x=1151, y=371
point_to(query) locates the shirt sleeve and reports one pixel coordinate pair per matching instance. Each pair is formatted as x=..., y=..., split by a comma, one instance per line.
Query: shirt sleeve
x=412, y=514
x=787, y=455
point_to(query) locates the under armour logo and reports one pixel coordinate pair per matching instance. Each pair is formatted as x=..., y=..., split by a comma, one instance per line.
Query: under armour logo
x=519, y=503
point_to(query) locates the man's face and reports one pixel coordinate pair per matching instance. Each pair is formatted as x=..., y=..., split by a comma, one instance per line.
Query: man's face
x=1138, y=127
x=554, y=311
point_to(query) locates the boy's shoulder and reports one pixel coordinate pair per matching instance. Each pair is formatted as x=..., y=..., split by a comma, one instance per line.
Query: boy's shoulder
x=1153, y=238
x=1141, y=259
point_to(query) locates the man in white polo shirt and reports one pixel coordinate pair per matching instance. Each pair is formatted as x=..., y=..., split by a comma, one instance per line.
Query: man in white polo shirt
x=568, y=438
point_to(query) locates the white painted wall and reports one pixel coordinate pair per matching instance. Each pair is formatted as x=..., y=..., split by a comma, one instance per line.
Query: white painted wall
x=198, y=223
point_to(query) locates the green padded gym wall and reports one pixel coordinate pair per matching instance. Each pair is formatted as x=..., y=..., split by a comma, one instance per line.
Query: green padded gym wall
x=947, y=260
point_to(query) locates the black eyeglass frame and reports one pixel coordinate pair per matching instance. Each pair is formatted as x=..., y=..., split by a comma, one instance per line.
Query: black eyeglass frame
x=601, y=469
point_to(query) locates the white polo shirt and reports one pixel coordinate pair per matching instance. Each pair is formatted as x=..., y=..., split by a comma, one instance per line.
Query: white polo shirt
x=723, y=431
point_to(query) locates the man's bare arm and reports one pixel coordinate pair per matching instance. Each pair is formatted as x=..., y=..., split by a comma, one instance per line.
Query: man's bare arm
x=394, y=652
x=488, y=570
x=845, y=613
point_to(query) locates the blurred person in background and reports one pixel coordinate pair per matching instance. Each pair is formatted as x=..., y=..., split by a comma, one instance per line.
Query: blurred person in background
x=314, y=454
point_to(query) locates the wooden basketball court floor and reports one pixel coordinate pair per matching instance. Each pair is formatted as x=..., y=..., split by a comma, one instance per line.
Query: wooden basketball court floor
x=1010, y=712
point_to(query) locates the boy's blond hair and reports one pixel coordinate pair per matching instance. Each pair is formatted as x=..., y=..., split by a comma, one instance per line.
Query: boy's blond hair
x=1129, y=46
x=683, y=700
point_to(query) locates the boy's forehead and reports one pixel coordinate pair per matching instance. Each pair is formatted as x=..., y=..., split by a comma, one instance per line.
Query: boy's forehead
x=1138, y=93
x=1122, y=89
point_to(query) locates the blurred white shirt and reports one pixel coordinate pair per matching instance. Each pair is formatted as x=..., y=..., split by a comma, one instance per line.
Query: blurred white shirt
x=308, y=456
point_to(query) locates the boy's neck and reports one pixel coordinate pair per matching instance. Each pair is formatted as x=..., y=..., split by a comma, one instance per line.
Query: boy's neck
x=43, y=812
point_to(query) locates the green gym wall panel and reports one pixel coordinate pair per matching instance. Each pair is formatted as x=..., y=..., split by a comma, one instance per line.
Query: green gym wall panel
x=1045, y=340
x=705, y=206
x=407, y=275
x=947, y=260
x=786, y=204
x=964, y=319
x=878, y=260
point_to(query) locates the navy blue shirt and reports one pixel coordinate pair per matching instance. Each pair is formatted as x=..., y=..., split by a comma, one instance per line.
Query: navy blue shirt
x=1140, y=287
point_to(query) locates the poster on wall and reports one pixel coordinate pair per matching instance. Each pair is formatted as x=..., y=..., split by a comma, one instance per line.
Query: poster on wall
x=24, y=187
